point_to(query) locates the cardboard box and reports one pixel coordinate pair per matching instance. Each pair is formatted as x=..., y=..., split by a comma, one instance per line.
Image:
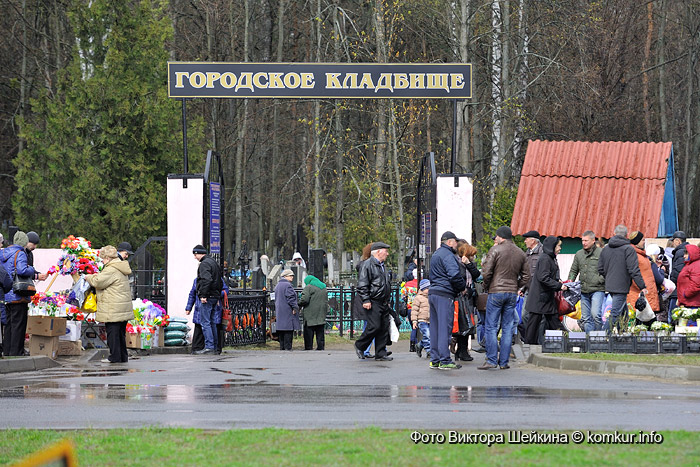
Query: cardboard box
x=43, y=345
x=133, y=341
x=94, y=336
x=46, y=326
x=159, y=338
x=69, y=347
x=72, y=331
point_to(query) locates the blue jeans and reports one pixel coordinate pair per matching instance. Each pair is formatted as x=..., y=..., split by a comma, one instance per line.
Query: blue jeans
x=442, y=310
x=591, y=309
x=367, y=351
x=206, y=314
x=499, y=309
x=481, y=328
x=425, y=331
x=619, y=306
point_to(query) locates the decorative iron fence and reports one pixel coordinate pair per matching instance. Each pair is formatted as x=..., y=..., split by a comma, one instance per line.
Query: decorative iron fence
x=249, y=314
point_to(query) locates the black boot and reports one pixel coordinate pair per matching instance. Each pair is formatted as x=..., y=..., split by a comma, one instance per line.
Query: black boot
x=413, y=347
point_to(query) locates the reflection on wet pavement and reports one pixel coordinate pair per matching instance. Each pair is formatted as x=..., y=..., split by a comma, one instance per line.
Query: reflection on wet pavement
x=238, y=391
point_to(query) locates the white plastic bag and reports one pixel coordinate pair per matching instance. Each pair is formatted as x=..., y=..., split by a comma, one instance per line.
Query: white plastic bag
x=647, y=314
x=393, y=331
x=669, y=287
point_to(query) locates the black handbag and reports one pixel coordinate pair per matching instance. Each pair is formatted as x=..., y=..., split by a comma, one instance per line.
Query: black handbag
x=467, y=316
x=22, y=286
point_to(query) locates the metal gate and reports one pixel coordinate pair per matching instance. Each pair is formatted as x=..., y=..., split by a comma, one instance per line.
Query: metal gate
x=149, y=265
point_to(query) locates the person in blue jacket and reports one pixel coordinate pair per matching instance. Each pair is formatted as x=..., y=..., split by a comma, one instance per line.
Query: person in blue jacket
x=14, y=257
x=446, y=281
x=5, y=286
x=198, y=335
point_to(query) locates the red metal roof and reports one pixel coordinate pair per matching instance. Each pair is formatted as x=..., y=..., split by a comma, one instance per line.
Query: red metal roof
x=568, y=187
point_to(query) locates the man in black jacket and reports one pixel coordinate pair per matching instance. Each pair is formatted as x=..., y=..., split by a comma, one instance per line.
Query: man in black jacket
x=374, y=289
x=679, y=243
x=619, y=265
x=208, y=292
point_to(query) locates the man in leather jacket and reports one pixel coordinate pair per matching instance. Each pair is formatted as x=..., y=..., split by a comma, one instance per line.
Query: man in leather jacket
x=374, y=290
x=209, y=286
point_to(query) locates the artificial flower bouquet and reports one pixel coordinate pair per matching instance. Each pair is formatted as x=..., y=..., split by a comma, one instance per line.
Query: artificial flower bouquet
x=78, y=258
x=48, y=304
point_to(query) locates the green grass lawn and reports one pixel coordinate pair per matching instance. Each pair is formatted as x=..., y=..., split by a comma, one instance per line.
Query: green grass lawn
x=667, y=359
x=370, y=446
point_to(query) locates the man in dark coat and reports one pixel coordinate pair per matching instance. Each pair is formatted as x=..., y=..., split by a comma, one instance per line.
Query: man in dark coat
x=209, y=286
x=619, y=265
x=374, y=289
x=446, y=281
x=286, y=309
x=505, y=273
x=543, y=286
x=679, y=240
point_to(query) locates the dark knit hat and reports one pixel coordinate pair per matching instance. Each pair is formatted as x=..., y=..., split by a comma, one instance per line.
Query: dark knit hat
x=504, y=232
x=199, y=250
x=33, y=237
x=532, y=234
x=636, y=237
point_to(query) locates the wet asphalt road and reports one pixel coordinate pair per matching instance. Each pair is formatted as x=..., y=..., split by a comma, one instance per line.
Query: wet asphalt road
x=333, y=389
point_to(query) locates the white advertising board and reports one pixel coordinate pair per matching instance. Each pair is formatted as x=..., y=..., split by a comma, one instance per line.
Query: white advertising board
x=454, y=198
x=185, y=230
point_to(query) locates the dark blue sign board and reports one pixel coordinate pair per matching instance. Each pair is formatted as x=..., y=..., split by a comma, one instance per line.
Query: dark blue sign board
x=214, y=218
x=320, y=80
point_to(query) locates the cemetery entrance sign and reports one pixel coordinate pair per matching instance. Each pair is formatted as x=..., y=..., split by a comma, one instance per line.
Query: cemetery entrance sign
x=319, y=80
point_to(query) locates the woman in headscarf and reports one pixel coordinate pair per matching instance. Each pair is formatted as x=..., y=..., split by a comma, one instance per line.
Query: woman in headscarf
x=541, y=303
x=114, y=306
x=314, y=301
x=645, y=267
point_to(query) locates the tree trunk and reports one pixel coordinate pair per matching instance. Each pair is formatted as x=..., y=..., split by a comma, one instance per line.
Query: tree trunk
x=645, y=74
x=497, y=158
x=240, y=144
x=381, y=145
x=523, y=72
x=662, y=73
x=275, y=159
x=397, y=192
x=340, y=152
x=317, y=139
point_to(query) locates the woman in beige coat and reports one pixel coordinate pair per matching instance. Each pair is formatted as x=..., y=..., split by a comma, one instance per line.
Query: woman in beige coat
x=114, y=307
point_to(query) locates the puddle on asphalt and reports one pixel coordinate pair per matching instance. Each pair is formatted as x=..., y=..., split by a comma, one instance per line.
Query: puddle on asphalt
x=238, y=391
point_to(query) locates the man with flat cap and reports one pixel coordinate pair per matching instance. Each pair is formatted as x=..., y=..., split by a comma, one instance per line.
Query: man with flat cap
x=374, y=290
x=446, y=282
x=506, y=273
x=679, y=240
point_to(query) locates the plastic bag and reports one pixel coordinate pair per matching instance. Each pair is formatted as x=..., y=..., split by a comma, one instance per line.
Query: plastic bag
x=644, y=311
x=393, y=331
x=90, y=303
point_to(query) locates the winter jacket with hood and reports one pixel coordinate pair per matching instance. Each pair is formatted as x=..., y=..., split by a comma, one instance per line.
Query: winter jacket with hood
x=648, y=276
x=314, y=300
x=420, y=310
x=540, y=299
x=113, y=292
x=689, y=279
x=7, y=257
x=619, y=265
